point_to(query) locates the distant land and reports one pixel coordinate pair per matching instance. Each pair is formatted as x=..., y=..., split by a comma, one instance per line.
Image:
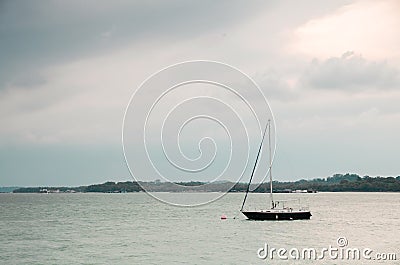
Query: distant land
x=7, y=189
x=336, y=183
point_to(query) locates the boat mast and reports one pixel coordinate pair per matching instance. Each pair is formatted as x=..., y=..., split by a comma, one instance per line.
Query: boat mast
x=270, y=163
x=255, y=165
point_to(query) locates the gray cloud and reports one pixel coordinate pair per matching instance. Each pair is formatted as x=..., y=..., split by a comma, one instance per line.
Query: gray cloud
x=275, y=86
x=28, y=81
x=33, y=35
x=351, y=72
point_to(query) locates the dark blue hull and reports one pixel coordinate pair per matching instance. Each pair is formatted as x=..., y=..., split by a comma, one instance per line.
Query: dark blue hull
x=276, y=215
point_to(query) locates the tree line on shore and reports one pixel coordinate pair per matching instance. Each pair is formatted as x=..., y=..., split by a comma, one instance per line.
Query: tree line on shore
x=336, y=183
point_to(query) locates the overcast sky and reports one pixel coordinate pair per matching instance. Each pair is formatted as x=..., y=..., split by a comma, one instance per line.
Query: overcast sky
x=330, y=70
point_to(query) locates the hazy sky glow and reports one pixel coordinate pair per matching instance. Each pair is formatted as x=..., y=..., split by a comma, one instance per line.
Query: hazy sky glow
x=330, y=70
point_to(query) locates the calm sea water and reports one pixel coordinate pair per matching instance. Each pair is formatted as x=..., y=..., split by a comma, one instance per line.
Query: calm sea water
x=134, y=228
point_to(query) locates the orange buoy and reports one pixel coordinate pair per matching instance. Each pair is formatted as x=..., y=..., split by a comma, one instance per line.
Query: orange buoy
x=223, y=217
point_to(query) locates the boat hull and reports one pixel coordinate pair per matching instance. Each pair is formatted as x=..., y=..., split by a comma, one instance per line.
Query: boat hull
x=276, y=215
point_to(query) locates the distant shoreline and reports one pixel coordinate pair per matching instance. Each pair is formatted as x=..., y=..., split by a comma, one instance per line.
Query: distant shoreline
x=336, y=183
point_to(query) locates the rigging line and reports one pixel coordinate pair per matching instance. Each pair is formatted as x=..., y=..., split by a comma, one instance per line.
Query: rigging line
x=270, y=165
x=255, y=165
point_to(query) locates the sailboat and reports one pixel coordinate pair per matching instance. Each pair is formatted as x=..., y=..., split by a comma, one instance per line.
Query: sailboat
x=278, y=210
